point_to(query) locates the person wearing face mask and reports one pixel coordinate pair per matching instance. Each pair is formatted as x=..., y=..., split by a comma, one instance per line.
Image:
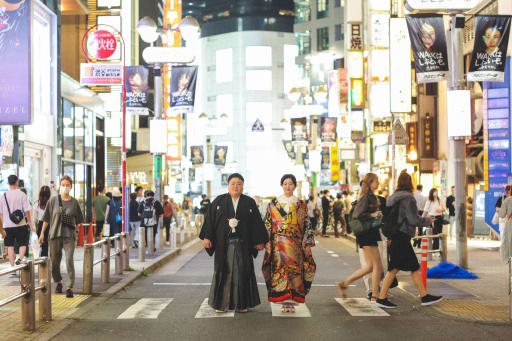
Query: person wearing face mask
x=63, y=215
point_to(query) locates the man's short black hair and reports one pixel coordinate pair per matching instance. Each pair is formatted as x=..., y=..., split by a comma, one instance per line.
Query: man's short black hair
x=166, y=196
x=236, y=175
x=419, y=187
x=338, y=195
x=149, y=193
x=12, y=180
x=138, y=188
x=133, y=196
x=100, y=188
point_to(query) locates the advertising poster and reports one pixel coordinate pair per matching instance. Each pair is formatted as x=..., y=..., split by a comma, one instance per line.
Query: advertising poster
x=328, y=129
x=183, y=88
x=220, y=155
x=101, y=74
x=137, y=90
x=288, y=146
x=326, y=158
x=191, y=174
x=335, y=164
x=299, y=129
x=196, y=155
x=490, y=49
x=224, y=179
x=428, y=42
x=15, y=80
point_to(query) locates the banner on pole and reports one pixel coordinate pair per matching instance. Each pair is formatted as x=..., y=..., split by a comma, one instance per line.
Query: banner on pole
x=299, y=129
x=183, y=88
x=137, y=90
x=196, y=155
x=288, y=146
x=328, y=129
x=490, y=49
x=428, y=42
x=220, y=155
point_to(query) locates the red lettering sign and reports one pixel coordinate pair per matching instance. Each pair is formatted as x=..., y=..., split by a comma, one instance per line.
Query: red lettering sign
x=101, y=44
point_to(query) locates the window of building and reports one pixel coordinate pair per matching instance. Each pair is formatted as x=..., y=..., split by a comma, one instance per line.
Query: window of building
x=258, y=56
x=302, y=11
x=68, y=133
x=79, y=133
x=322, y=37
x=322, y=9
x=291, y=70
x=258, y=80
x=224, y=65
x=338, y=3
x=303, y=42
x=338, y=32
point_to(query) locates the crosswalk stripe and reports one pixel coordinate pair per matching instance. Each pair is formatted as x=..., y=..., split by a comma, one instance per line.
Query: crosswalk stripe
x=301, y=310
x=145, y=308
x=205, y=311
x=360, y=307
x=334, y=255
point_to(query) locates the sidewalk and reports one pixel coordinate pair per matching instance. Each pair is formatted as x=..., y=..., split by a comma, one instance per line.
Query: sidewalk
x=485, y=299
x=62, y=307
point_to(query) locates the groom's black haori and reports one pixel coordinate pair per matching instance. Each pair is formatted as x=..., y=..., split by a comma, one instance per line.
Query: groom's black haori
x=234, y=281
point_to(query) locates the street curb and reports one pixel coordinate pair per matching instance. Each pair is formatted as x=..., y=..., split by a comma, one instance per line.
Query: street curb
x=95, y=301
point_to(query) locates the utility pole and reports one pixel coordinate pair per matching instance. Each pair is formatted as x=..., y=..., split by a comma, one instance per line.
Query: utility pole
x=457, y=82
x=157, y=159
x=209, y=162
x=314, y=138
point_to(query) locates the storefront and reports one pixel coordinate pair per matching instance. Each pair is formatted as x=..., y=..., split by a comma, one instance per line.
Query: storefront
x=139, y=171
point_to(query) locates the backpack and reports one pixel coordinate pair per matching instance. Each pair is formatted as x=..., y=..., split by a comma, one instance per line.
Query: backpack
x=390, y=224
x=148, y=213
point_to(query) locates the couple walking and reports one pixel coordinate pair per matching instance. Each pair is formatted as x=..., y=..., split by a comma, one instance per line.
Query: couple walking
x=234, y=232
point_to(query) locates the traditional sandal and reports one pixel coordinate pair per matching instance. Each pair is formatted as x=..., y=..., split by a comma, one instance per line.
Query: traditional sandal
x=243, y=311
x=221, y=311
x=342, y=288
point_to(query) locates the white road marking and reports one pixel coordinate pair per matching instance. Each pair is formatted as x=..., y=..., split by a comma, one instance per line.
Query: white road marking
x=345, y=263
x=360, y=307
x=301, y=310
x=145, y=308
x=260, y=284
x=329, y=251
x=334, y=255
x=205, y=311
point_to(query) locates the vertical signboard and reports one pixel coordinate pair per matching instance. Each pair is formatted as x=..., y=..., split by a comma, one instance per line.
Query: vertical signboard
x=412, y=146
x=15, y=66
x=429, y=139
x=335, y=163
x=400, y=71
x=497, y=157
x=172, y=18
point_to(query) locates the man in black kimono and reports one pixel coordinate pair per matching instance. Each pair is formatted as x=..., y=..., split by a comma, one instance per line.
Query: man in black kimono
x=234, y=231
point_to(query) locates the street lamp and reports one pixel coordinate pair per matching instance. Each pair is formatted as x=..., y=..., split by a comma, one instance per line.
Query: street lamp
x=189, y=29
x=148, y=30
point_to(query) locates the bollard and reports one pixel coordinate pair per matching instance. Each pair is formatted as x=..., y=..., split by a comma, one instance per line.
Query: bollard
x=173, y=236
x=126, y=253
x=105, y=264
x=151, y=242
x=90, y=234
x=28, y=302
x=182, y=236
x=45, y=294
x=424, y=261
x=119, y=261
x=88, y=271
x=142, y=244
x=428, y=232
x=80, y=241
x=161, y=236
x=444, y=248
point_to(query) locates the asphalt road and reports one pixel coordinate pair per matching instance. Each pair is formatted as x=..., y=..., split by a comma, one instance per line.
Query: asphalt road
x=186, y=281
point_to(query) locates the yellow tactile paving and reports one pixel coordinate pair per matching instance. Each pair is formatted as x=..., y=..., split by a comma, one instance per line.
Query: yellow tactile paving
x=474, y=310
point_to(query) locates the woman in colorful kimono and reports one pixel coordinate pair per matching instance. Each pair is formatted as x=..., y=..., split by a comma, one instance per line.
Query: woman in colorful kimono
x=288, y=266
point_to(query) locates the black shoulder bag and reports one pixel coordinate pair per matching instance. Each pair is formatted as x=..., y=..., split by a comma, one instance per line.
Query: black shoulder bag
x=66, y=219
x=17, y=216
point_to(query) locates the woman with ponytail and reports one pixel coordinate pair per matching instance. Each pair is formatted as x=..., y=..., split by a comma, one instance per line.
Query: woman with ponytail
x=367, y=208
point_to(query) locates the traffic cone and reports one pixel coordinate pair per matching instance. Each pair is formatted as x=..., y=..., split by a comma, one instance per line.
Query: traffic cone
x=80, y=235
x=90, y=234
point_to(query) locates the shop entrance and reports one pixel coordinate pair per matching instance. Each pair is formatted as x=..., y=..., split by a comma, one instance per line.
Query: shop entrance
x=35, y=171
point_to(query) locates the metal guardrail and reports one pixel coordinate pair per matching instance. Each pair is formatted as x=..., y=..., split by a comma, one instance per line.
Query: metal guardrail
x=28, y=290
x=443, y=243
x=121, y=255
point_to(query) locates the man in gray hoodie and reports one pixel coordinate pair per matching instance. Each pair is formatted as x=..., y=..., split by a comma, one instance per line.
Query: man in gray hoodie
x=402, y=256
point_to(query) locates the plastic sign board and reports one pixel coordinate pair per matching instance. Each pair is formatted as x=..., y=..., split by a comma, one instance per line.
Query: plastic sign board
x=399, y=134
x=174, y=55
x=101, y=44
x=459, y=113
x=400, y=71
x=101, y=74
x=434, y=5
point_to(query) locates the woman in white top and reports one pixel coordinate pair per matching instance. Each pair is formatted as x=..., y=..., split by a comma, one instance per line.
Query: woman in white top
x=38, y=209
x=434, y=208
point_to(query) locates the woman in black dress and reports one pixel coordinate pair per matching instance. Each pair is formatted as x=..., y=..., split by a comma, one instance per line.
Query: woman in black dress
x=367, y=208
x=401, y=253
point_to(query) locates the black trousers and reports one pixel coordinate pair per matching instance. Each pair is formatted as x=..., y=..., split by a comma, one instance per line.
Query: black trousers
x=338, y=220
x=417, y=242
x=438, y=228
x=99, y=228
x=349, y=230
x=325, y=222
x=167, y=225
x=44, y=247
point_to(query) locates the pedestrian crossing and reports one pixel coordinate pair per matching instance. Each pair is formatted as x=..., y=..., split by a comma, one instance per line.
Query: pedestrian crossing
x=151, y=308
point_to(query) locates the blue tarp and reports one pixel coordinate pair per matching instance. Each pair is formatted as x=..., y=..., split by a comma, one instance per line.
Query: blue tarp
x=447, y=270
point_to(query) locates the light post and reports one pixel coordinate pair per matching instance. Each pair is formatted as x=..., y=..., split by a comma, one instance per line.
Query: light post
x=149, y=33
x=210, y=126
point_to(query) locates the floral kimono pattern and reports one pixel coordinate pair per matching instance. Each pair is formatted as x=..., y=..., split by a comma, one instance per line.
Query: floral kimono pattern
x=288, y=272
